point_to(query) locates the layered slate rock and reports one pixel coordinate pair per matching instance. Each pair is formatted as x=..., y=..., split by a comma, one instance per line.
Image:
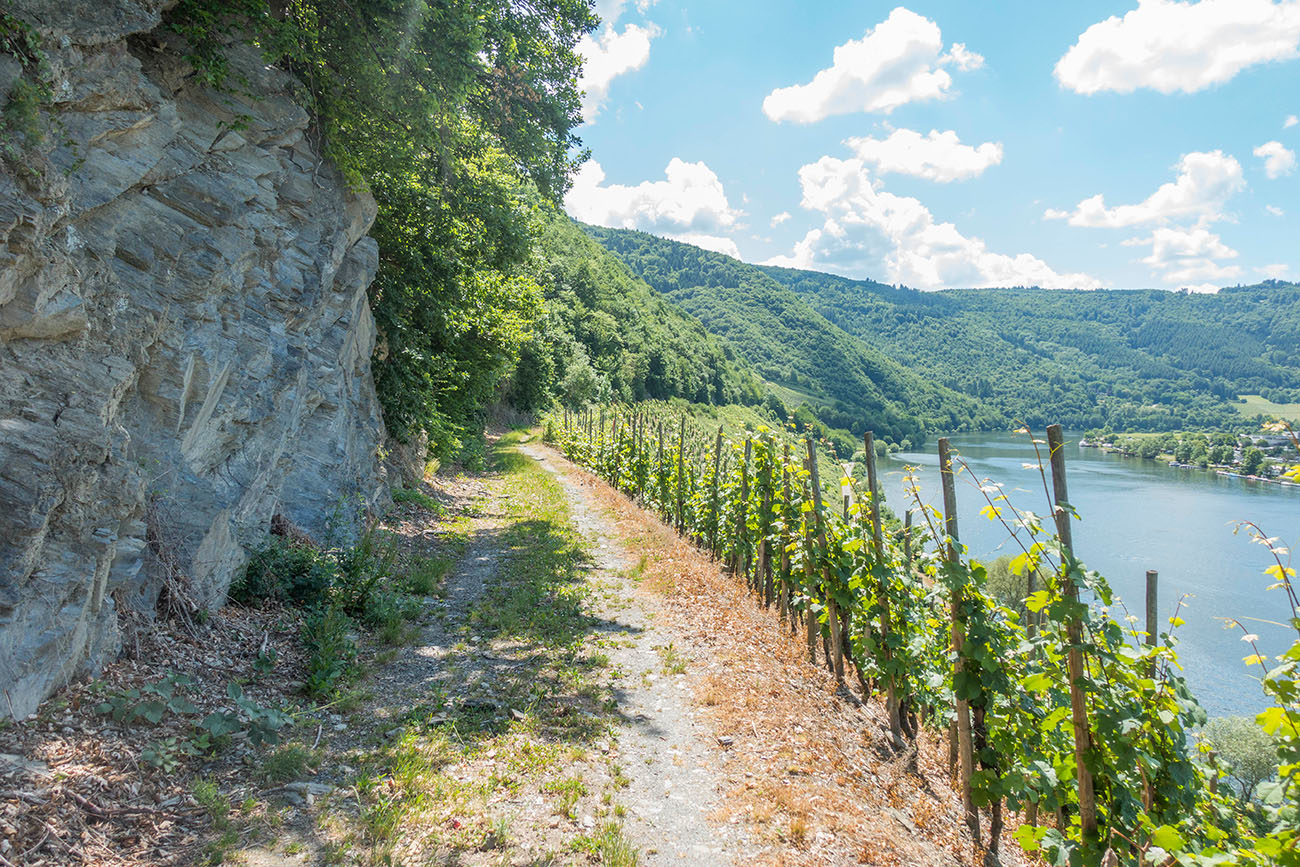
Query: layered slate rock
x=185, y=338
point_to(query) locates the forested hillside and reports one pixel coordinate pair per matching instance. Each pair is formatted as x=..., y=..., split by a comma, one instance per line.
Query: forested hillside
x=1145, y=359
x=1130, y=360
x=605, y=335
x=794, y=346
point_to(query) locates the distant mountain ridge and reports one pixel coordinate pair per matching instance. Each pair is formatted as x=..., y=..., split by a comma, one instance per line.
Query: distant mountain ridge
x=866, y=352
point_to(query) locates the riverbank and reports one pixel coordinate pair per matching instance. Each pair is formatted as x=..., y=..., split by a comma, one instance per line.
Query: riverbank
x=1137, y=515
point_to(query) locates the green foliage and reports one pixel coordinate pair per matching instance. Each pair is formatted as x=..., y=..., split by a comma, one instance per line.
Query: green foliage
x=154, y=702
x=216, y=805
x=1249, y=753
x=459, y=119
x=419, y=498
x=151, y=702
x=21, y=120
x=1133, y=360
x=1252, y=460
x=850, y=384
x=607, y=335
x=362, y=568
x=168, y=754
x=288, y=762
x=326, y=635
x=984, y=359
x=284, y=572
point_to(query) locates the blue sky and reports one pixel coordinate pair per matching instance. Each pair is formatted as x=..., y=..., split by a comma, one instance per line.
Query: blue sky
x=945, y=144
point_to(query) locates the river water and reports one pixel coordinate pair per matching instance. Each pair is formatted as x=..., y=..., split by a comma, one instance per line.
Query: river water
x=1139, y=515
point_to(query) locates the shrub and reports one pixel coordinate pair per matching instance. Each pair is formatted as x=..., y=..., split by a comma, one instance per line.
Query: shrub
x=361, y=569
x=330, y=650
x=1246, y=749
x=284, y=572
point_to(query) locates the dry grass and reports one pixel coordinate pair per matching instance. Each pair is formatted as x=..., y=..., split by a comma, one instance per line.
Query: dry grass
x=809, y=768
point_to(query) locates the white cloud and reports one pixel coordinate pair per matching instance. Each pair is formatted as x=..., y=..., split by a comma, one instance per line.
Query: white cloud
x=940, y=156
x=612, y=55
x=869, y=232
x=1278, y=271
x=1188, y=257
x=689, y=205
x=897, y=62
x=1278, y=160
x=1291, y=120
x=1275, y=210
x=1204, y=184
x=780, y=218
x=962, y=58
x=1170, y=46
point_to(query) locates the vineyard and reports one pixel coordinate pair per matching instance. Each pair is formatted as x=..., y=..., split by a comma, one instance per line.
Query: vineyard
x=1061, y=717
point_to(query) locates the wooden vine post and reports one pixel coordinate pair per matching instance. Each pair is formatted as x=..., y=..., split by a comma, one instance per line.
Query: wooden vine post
x=784, y=603
x=1153, y=605
x=832, y=612
x=740, y=550
x=660, y=488
x=763, y=574
x=714, y=517
x=1074, y=634
x=615, y=430
x=892, y=703
x=600, y=443
x=965, y=746
x=681, y=449
x=810, y=622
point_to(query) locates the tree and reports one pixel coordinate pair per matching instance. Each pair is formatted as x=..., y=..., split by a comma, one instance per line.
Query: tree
x=459, y=118
x=1249, y=753
x=1252, y=461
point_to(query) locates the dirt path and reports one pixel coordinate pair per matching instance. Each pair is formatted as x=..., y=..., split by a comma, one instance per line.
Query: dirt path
x=542, y=736
x=668, y=750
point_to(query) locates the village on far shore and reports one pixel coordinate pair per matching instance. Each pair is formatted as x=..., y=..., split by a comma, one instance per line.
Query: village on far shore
x=1265, y=455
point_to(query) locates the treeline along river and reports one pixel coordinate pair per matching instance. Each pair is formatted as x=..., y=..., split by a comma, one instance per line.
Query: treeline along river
x=1139, y=515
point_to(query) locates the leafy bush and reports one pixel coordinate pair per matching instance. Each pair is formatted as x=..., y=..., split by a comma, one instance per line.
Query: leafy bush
x=284, y=572
x=1250, y=753
x=360, y=570
x=330, y=649
x=150, y=702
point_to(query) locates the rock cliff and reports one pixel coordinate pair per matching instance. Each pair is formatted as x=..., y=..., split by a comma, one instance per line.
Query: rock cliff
x=185, y=338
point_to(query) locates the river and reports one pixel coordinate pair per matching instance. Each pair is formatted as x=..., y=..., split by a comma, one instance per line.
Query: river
x=1139, y=515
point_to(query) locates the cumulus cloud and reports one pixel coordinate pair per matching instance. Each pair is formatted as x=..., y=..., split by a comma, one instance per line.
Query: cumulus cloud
x=1291, y=120
x=867, y=231
x=940, y=156
x=1275, y=210
x=1279, y=271
x=780, y=218
x=1204, y=184
x=1169, y=45
x=1188, y=257
x=1278, y=160
x=688, y=205
x=901, y=60
x=611, y=55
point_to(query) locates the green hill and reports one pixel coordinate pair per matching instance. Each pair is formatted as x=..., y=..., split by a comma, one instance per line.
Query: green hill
x=1139, y=359
x=866, y=352
x=604, y=334
x=791, y=344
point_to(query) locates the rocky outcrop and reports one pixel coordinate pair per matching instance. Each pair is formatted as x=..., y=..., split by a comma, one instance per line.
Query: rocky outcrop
x=185, y=338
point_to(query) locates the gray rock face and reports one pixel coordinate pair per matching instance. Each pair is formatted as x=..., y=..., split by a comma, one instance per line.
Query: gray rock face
x=185, y=339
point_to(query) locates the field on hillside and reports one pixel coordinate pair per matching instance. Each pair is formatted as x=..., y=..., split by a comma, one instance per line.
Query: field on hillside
x=1254, y=405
